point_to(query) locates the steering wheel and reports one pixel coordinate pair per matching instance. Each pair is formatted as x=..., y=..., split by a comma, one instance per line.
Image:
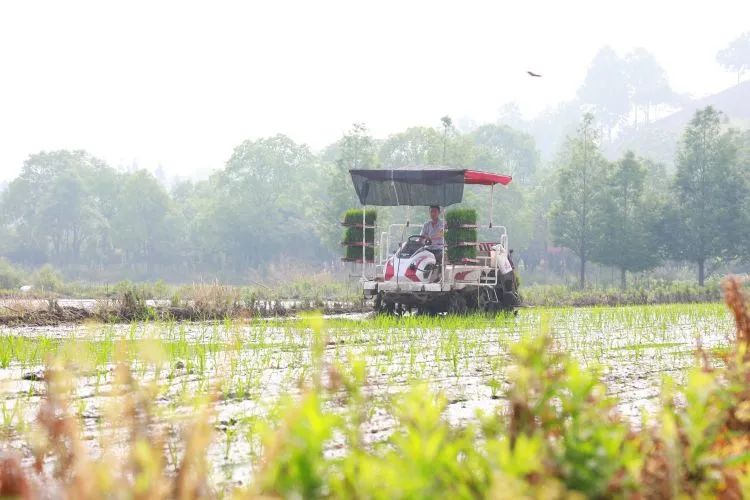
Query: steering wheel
x=421, y=239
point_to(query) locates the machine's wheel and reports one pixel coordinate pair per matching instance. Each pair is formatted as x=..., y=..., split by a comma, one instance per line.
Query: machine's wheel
x=474, y=301
x=511, y=300
x=508, y=292
x=478, y=301
x=483, y=302
x=426, y=311
x=382, y=306
x=457, y=304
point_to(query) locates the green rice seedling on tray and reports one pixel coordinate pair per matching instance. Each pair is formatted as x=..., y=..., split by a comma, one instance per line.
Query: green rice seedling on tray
x=354, y=217
x=355, y=253
x=354, y=232
x=461, y=216
x=461, y=228
x=353, y=235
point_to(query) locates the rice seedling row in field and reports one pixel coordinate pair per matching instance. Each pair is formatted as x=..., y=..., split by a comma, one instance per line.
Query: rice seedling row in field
x=247, y=368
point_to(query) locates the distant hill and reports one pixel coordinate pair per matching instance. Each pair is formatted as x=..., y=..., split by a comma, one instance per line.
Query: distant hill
x=734, y=102
x=659, y=139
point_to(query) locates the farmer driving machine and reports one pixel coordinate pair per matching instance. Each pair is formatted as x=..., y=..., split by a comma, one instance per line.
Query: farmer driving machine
x=402, y=270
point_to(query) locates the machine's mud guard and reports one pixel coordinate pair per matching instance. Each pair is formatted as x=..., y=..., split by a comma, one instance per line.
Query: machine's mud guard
x=509, y=285
x=370, y=289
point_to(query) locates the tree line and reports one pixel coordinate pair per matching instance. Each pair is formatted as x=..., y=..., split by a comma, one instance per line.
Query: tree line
x=631, y=215
x=276, y=200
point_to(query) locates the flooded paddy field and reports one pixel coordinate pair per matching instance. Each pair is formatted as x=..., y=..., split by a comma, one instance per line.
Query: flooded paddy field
x=247, y=368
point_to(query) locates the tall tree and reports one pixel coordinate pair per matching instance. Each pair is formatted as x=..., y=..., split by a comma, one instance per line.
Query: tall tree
x=622, y=220
x=554, y=125
x=540, y=201
x=708, y=217
x=657, y=179
x=578, y=187
x=736, y=56
x=356, y=149
x=447, y=128
x=606, y=89
x=261, y=170
x=69, y=216
x=648, y=83
x=50, y=206
x=510, y=114
x=103, y=185
x=503, y=149
x=266, y=197
x=140, y=223
x=414, y=146
x=743, y=147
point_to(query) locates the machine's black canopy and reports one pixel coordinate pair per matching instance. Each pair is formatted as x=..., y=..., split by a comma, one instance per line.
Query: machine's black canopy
x=418, y=187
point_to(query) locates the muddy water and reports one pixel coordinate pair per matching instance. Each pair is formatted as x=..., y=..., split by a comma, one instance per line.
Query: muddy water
x=467, y=361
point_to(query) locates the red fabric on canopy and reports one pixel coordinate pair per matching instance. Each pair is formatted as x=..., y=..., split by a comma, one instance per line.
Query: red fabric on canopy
x=486, y=178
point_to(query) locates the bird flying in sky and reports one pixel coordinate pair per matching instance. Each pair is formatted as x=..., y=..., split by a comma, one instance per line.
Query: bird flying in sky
x=531, y=73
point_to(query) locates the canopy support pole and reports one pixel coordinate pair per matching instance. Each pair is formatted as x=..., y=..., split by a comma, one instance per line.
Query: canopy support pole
x=364, y=241
x=443, y=251
x=492, y=197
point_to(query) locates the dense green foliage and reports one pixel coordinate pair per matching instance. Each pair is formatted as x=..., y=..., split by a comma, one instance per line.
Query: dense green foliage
x=623, y=226
x=578, y=183
x=10, y=277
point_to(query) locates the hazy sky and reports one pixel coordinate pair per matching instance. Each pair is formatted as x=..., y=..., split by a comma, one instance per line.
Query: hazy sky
x=181, y=83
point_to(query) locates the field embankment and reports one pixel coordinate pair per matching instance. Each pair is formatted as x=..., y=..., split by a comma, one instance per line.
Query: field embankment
x=219, y=302
x=649, y=293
